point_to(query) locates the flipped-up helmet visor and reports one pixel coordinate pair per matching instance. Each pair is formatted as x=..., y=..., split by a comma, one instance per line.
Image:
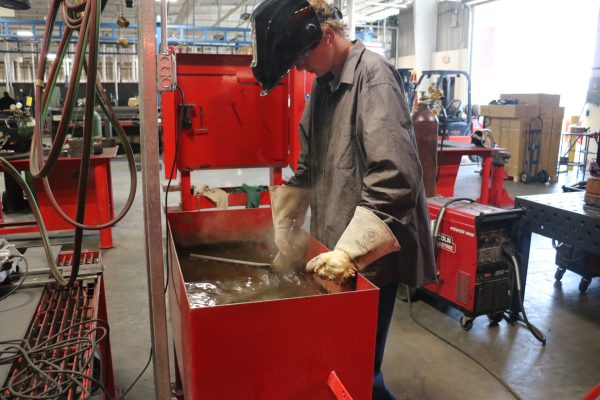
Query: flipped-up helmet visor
x=282, y=32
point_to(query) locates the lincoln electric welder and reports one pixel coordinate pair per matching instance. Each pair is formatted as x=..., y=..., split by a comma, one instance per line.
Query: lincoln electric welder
x=476, y=262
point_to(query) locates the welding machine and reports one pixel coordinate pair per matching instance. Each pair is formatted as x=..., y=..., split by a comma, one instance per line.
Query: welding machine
x=475, y=274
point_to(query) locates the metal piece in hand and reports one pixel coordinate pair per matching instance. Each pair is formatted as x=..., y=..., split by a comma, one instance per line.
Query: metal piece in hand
x=229, y=261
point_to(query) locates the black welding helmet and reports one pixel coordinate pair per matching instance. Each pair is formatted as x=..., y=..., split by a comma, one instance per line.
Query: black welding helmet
x=282, y=32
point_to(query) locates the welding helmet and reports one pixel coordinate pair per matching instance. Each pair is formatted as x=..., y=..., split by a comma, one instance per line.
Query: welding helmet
x=282, y=32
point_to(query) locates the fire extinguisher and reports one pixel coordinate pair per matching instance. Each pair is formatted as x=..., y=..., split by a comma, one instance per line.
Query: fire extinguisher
x=425, y=124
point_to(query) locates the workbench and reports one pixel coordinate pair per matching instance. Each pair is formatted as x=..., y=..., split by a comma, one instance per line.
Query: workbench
x=449, y=159
x=560, y=216
x=64, y=182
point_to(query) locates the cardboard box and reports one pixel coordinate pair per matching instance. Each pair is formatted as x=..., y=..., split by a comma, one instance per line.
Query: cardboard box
x=513, y=135
x=535, y=99
x=509, y=111
x=552, y=112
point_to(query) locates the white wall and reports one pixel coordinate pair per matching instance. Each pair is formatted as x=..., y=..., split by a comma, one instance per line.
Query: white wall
x=453, y=60
x=406, y=62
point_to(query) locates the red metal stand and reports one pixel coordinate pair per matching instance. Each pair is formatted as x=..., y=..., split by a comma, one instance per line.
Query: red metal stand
x=63, y=181
x=449, y=162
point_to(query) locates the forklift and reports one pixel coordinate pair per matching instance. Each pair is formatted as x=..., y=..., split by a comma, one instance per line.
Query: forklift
x=449, y=109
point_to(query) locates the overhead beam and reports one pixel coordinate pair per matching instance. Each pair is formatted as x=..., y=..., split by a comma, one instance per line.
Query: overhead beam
x=184, y=11
x=230, y=12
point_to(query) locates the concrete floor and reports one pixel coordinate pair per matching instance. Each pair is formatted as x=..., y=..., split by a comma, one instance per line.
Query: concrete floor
x=417, y=365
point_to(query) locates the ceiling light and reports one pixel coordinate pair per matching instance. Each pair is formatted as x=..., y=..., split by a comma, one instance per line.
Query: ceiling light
x=25, y=33
x=51, y=56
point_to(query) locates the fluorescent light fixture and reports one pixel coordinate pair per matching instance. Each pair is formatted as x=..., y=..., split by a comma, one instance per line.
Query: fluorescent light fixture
x=51, y=56
x=25, y=33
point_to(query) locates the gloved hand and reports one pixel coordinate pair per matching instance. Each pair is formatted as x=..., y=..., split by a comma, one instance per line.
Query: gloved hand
x=366, y=239
x=289, y=205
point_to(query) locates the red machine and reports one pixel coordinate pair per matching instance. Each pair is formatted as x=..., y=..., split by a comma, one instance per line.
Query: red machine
x=474, y=275
x=226, y=124
x=307, y=347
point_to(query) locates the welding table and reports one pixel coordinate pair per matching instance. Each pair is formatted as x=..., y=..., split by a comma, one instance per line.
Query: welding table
x=560, y=216
x=449, y=158
x=64, y=181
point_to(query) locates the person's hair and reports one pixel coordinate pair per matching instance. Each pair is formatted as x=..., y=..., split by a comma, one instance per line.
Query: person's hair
x=325, y=10
x=6, y=94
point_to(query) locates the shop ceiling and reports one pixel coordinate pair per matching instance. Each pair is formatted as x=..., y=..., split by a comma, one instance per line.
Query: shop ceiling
x=222, y=13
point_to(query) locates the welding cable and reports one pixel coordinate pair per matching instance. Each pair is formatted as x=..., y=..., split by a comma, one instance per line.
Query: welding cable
x=87, y=24
x=84, y=166
x=139, y=375
x=532, y=328
x=180, y=112
x=440, y=217
x=52, y=379
x=108, y=110
x=18, y=286
x=39, y=167
x=448, y=342
x=7, y=166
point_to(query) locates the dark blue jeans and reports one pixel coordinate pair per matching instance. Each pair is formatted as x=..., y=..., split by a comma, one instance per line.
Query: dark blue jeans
x=387, y=298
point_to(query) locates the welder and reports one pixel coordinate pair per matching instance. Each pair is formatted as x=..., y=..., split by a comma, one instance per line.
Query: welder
x=358, y=167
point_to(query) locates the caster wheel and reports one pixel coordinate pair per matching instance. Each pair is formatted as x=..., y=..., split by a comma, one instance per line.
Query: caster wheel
x=560, y=272
x=524, y=177
x=584, y=284
x=466, y=323
x=543, y=176
x=495, y=318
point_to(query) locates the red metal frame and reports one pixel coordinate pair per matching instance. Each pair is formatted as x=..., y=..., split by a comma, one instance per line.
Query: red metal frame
x=279, y=349
x=63, y=181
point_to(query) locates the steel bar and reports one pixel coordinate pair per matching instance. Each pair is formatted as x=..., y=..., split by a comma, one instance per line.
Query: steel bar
x=229, y=260
x=151, y=200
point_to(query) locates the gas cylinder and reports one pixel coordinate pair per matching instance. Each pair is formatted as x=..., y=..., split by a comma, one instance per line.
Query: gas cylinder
x=426, y=132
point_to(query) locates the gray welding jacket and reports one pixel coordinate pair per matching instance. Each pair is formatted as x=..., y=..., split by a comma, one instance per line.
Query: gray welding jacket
x=358, y=148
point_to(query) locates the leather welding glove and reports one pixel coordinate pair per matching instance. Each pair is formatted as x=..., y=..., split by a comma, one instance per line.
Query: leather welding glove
x=289, y=205
x=218, y=196
x=366, y=239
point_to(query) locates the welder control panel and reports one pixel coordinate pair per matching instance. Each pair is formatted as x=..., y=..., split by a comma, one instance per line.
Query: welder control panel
x=490, y=247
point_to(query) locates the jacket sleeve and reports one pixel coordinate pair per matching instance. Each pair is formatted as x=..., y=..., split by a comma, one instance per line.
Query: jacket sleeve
x=301, y=177
x=392, y=171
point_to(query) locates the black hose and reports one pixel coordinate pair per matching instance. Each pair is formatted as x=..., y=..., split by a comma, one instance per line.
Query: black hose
x=82, y=18
x=508, y=252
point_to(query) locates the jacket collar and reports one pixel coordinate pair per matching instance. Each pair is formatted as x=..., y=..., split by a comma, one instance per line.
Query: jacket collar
x=347, y=75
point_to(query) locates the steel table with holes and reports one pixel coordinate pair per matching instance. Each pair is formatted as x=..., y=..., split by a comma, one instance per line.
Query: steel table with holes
x=63, y=181
x=560, y=216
